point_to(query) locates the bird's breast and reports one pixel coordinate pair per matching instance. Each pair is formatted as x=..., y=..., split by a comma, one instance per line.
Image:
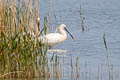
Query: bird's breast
x=53, y=38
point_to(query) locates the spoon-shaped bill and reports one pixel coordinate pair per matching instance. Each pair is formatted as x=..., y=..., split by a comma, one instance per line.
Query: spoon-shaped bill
x=69, y=33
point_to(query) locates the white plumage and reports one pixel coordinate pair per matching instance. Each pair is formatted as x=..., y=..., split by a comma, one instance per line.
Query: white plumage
x=54, y=38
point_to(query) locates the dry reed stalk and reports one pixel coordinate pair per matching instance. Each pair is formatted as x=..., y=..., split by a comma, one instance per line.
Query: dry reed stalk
x=1, y=28
x=31, y=22
x=77, y=68
x=20, y=3
x=82, y=19
x=1, y=15
x=13, y=18
x=36, y=27
x=36, y=15
x=31, y=27
x=6, y=74
x=72, y=73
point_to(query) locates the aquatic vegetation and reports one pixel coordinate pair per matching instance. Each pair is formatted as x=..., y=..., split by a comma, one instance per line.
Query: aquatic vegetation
x=110, y=67
x=19, y=48
x=23, y=56
x=82, y=18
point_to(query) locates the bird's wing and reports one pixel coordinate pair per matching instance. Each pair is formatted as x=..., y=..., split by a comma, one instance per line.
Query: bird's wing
x=52, y=38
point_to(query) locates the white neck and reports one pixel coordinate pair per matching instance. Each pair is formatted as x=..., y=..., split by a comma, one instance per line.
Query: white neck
x=63, y=32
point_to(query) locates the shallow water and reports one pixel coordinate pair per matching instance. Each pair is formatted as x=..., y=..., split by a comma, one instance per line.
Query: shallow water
x=101, y=16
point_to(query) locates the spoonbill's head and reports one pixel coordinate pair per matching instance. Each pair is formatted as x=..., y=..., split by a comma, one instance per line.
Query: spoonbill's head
x=63, y=27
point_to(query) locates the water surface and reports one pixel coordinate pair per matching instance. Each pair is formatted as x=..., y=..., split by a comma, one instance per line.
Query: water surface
x=101, y=16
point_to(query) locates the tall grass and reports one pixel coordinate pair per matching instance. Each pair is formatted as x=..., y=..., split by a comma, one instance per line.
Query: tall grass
x=19, y=48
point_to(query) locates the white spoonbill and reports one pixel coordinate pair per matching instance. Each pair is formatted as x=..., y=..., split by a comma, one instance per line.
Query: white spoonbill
x=54, y=38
